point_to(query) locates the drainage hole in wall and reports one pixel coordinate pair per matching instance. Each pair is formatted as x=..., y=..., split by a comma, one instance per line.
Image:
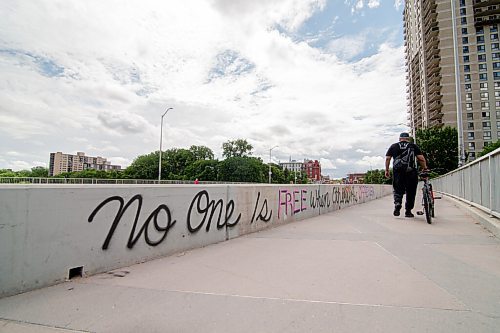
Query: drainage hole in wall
x=75, y=272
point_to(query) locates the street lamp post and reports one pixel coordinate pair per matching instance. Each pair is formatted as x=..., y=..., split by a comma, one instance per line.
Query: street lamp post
x=270, y=172
x=161, y=138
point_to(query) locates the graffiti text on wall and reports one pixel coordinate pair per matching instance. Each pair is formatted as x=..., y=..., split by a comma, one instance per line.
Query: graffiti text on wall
x=207, y=208
x=341, y=196
x=203, y=211
x=145, y=227
x=265, y=212
x=291, y=202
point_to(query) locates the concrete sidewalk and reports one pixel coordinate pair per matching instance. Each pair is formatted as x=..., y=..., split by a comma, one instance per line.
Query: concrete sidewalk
x=355, y=270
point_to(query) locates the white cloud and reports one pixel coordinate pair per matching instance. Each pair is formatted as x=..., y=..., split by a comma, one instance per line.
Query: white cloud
x=374, y=162
x=97, y=76
x=397, y=4
x=363, y=151
x=373, y=3
x=327, y=164
x=348, y=47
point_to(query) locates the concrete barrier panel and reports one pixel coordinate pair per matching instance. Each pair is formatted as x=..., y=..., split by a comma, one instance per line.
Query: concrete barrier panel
x=46, y=230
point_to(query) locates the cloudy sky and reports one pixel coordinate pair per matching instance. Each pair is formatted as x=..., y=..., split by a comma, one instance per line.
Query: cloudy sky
x=322, y=79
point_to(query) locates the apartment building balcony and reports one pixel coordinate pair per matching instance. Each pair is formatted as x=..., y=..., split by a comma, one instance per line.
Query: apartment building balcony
x=479, y=21
x=431, y=33
x=435, y=97
x=435, y=118
x=436, y=105
x=431, y=44
x=434, y=79
x=433, y=88
x=484, y=3
x=428, y=5
x=486, y=12
x=435, y=123
x=433, y=70
x=482, y=12
x=430, y=17
x=415, y=76
x=431, y=28
x=432, y=58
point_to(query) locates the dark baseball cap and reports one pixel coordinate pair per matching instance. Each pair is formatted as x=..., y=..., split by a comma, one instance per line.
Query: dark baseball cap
x=404, y=135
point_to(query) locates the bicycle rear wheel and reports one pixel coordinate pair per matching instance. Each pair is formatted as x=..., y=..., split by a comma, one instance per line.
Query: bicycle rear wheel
x=427, y=205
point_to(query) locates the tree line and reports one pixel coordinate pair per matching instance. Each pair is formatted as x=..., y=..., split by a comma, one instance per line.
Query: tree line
x=196, y=162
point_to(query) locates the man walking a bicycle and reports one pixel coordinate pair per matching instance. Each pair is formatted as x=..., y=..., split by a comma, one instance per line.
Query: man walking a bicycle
x=405, y=154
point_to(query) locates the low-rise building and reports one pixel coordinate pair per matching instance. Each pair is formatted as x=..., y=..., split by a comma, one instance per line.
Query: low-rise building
x=355, y=178
x=292, y=166
x=312, y=170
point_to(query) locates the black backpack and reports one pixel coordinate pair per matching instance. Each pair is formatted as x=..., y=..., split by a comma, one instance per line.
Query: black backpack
x=405, y=161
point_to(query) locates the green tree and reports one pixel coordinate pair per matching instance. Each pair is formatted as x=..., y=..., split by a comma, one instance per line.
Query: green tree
x=489, y=148
x=376, y=176
x=278, y=175
x=175, y=161
x=144, y=167
x=23, y=173
x=201, y=153
x=440, y=147
x=7, y=173
x=236, y=148
x=204, y=170
x=242, y=169
x=39, y=171
x=88, y=173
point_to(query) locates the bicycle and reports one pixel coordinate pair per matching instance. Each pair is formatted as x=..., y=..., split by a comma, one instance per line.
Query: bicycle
x=427, y=197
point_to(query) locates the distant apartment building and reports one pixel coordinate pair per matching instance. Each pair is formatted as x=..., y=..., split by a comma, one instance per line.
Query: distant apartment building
x=60, y=163
x=453, y=68
x=312, y=170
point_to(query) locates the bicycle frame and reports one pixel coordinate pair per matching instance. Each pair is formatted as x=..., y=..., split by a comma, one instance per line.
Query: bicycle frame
x=427, y=198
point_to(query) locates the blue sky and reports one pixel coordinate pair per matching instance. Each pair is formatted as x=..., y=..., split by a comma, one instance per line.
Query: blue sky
x=322, y=79
x=342, y=20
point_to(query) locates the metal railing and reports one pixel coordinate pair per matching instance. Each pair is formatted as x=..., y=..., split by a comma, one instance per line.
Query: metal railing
x=89, y=181
x=476, y=183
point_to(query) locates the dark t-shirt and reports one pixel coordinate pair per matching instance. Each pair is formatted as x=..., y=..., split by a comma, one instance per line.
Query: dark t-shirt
x=397, y=148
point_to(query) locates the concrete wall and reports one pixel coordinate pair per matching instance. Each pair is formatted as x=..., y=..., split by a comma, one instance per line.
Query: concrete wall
x=45, y=230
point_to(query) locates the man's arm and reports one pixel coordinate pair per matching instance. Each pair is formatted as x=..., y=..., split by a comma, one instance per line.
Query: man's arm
x=421, y=160
x=387, y=164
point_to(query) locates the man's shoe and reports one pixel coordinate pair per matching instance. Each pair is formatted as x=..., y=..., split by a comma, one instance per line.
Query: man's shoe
x=397, y=209
x=408, y=213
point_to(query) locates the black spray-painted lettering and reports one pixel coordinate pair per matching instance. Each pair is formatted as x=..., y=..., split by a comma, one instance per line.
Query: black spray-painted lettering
x=208, y=208
x=134, y=237
x=265, y=213
x=319, y=200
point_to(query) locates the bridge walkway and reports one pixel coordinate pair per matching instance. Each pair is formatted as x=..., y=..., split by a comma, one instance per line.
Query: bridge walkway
x=355, y=270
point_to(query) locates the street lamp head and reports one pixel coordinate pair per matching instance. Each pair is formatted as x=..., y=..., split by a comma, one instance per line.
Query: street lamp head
x=166, y=112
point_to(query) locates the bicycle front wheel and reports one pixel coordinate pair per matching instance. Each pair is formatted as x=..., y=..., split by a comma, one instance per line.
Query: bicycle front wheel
x=427, y=206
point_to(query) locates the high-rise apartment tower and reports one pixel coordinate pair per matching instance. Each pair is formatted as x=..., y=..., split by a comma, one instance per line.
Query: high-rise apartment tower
x=453, y=69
